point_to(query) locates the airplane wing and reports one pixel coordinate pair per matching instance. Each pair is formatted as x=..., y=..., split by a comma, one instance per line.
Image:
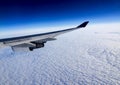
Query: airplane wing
x=35, y=41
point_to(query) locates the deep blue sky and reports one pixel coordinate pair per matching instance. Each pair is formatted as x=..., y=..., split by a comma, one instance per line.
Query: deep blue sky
x=25, y=12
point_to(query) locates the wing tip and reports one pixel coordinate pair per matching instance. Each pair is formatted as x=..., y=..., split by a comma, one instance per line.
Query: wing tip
x=83, y=24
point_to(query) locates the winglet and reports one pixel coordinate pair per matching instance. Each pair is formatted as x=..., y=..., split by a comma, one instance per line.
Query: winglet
x=83, y=24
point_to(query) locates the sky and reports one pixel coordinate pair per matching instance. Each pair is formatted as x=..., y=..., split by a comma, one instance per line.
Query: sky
x=15, y=13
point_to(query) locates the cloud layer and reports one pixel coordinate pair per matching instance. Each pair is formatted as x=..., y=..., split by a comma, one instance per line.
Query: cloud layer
x=86, y=56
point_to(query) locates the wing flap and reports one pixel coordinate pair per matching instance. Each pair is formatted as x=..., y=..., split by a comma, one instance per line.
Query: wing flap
x=43, y=40
x=22, y=47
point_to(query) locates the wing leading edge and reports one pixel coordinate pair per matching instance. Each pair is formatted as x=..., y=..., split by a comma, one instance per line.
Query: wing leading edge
x=36, y=40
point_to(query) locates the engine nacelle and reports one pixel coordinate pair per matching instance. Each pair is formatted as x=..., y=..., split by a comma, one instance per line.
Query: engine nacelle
x=27, y=47
x=38, y=45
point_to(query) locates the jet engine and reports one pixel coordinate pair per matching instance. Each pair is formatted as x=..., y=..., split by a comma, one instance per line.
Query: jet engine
x=37, y=45
x=27, y=47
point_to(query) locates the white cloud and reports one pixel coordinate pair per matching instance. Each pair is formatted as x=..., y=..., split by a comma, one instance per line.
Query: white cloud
x=86, y=56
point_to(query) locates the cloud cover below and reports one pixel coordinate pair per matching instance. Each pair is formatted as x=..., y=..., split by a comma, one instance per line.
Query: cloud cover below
x=85, y=56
